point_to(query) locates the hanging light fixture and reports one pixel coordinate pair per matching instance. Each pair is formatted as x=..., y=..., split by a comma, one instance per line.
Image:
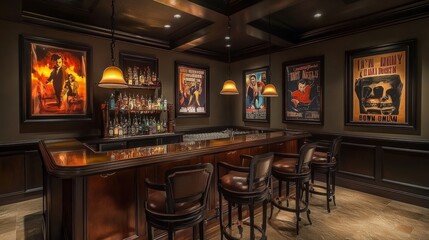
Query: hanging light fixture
x=229, y=86
x=269, y=90
x=112, y=76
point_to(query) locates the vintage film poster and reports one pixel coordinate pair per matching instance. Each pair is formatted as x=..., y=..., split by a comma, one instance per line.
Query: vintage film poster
x=256, y=107
x=380, y=83
x=303, y=85
x=56, y=80
x=192, y=94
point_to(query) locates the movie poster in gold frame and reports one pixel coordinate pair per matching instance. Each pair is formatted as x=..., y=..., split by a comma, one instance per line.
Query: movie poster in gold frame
x=380, y=85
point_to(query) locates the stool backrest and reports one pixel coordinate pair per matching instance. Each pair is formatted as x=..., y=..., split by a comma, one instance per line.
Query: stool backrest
x=335, y=149
x=305, y=156
x=260, y=169
x=188, y=184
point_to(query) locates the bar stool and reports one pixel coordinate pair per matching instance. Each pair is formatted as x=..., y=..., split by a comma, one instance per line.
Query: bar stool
x=245, y=186
x=181, y=201
x=294, y=168
x=325, y=160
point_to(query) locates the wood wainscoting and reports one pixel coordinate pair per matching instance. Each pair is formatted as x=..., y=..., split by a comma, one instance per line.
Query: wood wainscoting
x=20, y=172
x=393, y=168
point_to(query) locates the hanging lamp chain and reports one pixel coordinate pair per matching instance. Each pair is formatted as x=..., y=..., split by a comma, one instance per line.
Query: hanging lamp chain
x=269, y=45
x=112, y=45
x=229, y=48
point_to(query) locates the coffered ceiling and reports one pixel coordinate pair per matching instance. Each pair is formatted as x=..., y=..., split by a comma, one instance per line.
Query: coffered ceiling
x=202, y=27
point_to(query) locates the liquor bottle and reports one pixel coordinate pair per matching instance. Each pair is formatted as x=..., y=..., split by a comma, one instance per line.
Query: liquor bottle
x=149, y=103
x=111, y=129
x=120, y=130
x=153, y=126
x=125, y=126
x=112, y=102
x=133, y=130
x=158, y=103
x=130, y=76
x=144, y=103
x=165, y=103
x=148, y=77
x=141, y=78
x=158, y=127
x=124, y=102
x=118, y=104
x=154, y=80
x=136, y=125
x=131, y=103
x=137, y=103
x=147, y=126
x=116, y=128
x=140, y=125
x=136, y=75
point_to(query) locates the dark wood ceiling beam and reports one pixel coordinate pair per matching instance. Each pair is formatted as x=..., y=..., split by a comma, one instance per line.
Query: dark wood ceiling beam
x=263, y=35
x=202, y=35
x=197, y=38
x=242, y=19
x=260, y=10
x=193, y=9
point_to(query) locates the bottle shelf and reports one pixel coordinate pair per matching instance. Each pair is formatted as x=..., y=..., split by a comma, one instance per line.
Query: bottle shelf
x=144, y=87
x=152, y=111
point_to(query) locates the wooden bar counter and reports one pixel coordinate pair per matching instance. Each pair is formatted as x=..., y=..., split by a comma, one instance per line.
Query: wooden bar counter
x=90, y=194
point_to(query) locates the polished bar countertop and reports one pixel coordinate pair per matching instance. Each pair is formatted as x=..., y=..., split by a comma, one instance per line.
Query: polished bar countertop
x=68, y=158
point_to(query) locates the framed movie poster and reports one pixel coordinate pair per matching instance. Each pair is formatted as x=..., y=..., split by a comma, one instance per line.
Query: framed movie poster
x=54, y=80
x=303, y=90
x=255, y=107
x=379, y=85
x=192, y=90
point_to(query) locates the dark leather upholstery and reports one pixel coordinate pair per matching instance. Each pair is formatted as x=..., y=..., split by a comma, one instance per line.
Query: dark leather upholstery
x=293, y=168
x=181, y=201
x=244, y=186
x=286, y=165
x=325, y=161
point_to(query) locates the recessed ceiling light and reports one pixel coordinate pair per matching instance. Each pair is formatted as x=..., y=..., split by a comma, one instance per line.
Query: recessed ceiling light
x=227, y=37
x=317, y=15
x=228, y=45
x=167, y=26
x=177, y=16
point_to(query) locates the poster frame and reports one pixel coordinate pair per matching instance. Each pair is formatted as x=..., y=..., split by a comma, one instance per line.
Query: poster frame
x=409, y=46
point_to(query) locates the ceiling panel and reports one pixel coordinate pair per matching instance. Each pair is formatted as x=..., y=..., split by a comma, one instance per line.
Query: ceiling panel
x=203, y=23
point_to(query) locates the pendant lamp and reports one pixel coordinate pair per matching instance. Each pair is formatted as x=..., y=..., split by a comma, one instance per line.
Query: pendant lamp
x=112, y=75
x=269, y=90
x=229, y=86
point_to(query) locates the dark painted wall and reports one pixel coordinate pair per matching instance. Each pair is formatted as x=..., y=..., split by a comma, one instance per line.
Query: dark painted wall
x=334, y=52
x=13, y=131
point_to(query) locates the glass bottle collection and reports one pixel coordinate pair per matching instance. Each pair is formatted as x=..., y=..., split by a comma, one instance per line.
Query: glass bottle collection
x=135, y=115
x=136, y=103
x=143, y=76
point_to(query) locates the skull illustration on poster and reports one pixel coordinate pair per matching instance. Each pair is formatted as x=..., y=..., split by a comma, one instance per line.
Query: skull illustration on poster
x=379, y=94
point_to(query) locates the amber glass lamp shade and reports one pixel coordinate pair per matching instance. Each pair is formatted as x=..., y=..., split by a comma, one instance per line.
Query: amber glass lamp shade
x=270, y=91
x=229, y=88
x=112, y=78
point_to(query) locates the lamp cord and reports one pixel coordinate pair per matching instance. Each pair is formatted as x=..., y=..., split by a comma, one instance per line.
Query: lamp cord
x=229, y=48
x=112, y=45
x=269, y=46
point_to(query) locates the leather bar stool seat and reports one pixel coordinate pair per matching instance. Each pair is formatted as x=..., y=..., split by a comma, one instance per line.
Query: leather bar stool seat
x=325, y=161
x=293, y=168
x=175, y=205
x=286, y=165
x=157, y=199
x=244, y=186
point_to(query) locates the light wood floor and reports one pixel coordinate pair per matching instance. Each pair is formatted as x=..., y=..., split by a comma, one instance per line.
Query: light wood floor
x=356, y=216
